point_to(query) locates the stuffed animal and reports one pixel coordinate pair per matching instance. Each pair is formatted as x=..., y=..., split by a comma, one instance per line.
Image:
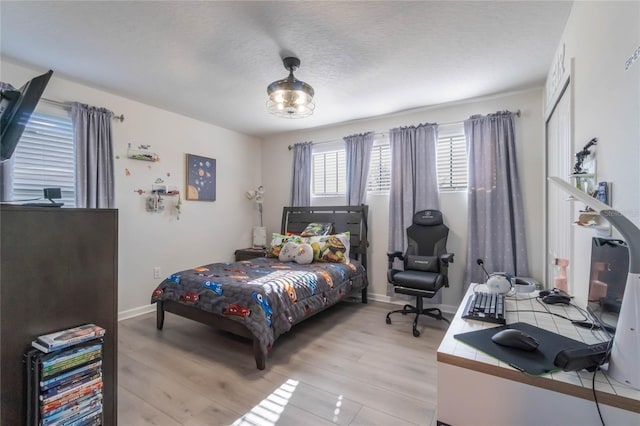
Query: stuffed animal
x=299, y=253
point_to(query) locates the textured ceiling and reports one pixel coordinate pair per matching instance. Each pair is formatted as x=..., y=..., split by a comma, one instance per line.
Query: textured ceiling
x=213, y=60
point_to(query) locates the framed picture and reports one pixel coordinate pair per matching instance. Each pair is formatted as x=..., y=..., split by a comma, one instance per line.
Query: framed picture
x=201, y=178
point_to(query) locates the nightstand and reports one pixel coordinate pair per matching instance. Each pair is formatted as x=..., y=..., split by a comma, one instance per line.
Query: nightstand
x=250, y=253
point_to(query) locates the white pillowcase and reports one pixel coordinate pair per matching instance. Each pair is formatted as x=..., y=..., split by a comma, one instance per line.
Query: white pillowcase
x=299, y=253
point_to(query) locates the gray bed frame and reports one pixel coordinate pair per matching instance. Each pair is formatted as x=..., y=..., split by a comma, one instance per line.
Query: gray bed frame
x=294, y=219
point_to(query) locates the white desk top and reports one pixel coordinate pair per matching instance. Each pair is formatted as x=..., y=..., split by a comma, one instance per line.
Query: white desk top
x=518, y=309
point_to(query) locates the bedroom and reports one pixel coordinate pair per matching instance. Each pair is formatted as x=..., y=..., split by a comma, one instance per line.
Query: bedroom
x=244, y=162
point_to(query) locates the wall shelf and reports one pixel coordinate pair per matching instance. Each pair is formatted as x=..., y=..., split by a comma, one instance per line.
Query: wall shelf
x=142, y=154
x=593, y=220
x=164, y=190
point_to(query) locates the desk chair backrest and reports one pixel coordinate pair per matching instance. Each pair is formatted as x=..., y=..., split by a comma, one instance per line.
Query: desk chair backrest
x=427, y=236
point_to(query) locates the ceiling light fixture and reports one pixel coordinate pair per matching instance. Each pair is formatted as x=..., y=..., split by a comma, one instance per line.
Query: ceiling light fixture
x=289, y=97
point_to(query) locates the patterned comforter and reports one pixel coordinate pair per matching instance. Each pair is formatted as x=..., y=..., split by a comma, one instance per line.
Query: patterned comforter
x=267, y=295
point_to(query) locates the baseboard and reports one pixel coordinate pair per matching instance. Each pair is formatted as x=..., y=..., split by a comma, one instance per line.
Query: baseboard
x=130, y=313
x=384, y=298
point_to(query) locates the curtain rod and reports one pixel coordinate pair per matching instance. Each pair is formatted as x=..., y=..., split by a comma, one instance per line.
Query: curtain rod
x=290, y=147
x=65, y=105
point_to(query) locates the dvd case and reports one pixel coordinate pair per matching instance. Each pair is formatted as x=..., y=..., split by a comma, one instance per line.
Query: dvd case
x=65, y=338
x=65, y=386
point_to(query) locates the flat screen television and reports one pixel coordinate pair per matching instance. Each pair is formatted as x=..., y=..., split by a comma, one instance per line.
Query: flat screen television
x=607, y=279
x=16, y=107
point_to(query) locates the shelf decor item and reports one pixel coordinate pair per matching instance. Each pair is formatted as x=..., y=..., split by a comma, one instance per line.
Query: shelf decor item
x=580, y=167
x=201, y=178
x=142, y=153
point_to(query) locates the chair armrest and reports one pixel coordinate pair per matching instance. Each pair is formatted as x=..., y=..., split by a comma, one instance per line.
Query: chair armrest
x=446, y=258
x=393, y=255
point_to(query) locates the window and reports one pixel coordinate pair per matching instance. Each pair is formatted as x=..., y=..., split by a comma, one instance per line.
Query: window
x=380, y=168
x=45, y=158
x=329, y=173
x=452, y=163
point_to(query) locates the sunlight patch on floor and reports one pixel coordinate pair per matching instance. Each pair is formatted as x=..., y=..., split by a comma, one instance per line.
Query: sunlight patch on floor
x=336, y=412
x=268, y=411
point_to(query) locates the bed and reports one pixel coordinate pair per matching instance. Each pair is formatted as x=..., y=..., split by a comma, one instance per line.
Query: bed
x=262, y=298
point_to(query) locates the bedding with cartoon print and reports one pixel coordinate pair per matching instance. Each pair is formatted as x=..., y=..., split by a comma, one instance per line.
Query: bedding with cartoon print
x=267, y=295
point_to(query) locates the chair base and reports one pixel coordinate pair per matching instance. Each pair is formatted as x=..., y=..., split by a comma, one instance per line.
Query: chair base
x=418, y=310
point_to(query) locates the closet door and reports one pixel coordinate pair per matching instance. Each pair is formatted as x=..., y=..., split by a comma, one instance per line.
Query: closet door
x=559, y=160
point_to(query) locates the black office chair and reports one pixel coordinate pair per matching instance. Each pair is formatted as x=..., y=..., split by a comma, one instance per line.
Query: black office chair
x=426, y=263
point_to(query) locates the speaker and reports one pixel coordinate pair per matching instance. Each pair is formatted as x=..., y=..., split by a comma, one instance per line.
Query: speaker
x=50, y=193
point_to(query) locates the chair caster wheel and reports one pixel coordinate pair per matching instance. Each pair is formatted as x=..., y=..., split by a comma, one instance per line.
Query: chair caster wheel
x=416, y=333
x=388, y=320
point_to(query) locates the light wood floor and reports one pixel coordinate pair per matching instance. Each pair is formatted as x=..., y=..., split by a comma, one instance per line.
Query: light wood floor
x=344, y=366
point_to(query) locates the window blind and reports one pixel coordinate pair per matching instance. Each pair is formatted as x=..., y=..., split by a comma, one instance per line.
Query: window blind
x=329, y=173
x=380, y=169
x=452, y=163
x=45, y=158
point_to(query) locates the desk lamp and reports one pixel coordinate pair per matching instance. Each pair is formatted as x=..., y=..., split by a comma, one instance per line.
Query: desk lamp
x=624, y=363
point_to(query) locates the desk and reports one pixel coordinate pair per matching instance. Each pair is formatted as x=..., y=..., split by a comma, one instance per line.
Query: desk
x=477, y=389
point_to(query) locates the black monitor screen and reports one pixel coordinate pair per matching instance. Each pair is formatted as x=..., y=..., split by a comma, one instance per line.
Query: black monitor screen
x=607, y=279
x=16, y=107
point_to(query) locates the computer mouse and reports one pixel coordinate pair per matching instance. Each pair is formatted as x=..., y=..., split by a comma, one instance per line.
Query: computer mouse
x=516, y=339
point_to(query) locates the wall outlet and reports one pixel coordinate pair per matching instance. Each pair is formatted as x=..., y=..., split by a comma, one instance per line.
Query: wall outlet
x=156, y=272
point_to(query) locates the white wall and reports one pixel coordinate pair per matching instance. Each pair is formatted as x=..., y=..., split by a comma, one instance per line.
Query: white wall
x=277, y=166
x=601, y=36
x=206, y=231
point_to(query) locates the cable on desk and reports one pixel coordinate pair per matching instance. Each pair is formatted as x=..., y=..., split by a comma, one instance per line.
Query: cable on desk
x=605, y=359
x=546, y=308
x=595, y=395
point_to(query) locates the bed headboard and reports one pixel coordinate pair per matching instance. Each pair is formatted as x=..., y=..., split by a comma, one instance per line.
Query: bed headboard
x=344, y=218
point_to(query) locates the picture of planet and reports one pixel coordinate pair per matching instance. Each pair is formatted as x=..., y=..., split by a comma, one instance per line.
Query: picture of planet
x=201, y=178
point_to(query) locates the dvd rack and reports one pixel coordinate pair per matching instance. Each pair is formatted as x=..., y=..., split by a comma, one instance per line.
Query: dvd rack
x=64, y=387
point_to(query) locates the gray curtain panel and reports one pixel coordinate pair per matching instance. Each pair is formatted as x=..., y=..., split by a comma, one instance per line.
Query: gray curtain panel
x=496, y=214
x=94, y=156
x=414, y=181
x=6, y=179
x=358, y=158
x=301, y=181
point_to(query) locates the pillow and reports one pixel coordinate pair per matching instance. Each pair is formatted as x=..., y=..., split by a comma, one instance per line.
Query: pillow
x=299, y=253
x=316, y=228
x=331, y=248
x=278, y=241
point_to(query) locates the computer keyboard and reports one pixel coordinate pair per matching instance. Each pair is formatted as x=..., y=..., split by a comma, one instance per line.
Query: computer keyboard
x=488, y=307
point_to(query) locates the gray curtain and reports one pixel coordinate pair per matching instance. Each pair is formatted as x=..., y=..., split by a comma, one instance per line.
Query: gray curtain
x=94, y=156
x=414, y=182
x=496, y=214
x=301, y=183
x=414, y=179
x=358, y=158
x=6, y=179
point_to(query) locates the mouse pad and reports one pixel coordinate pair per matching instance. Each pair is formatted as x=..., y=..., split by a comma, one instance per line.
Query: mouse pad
x=535, y=362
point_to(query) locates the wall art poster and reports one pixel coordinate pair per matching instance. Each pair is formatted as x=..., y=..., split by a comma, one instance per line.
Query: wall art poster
x=201, y=178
